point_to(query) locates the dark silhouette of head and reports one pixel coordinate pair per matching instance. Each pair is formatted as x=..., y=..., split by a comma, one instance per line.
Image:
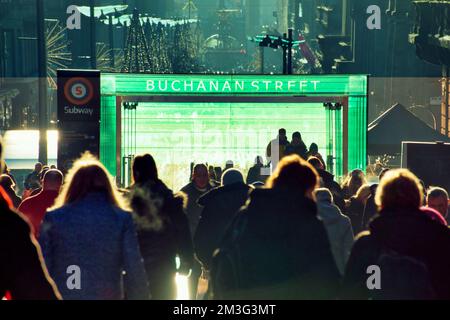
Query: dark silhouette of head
x=355, y=180
x=296, y=137
x=232, y=176
x=437, y=198
x=38, y=167
x=53, y=180
x=314, y=148
x=144, y=169
x=218, y=171
x=200, y=176
x=316, y=163
x=259, y=161
x=229, y=164
x=43, y=172
x=6, y=182
x=383, y=173
x=282, y=134
x=294, y=173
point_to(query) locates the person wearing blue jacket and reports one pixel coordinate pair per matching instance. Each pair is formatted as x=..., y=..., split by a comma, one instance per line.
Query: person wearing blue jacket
x=89, y=241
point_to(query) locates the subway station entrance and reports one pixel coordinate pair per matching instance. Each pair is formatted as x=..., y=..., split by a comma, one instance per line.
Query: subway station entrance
x=184, y=119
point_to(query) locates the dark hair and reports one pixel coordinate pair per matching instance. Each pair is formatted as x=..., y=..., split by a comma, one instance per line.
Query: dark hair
x=313, y=147
x=53, y=177
x=144, y=169
x=383, y=173
x=44, y=170
x=6, y=182
x=437, y=192
x=200, y=166
x=282, y=131
x=294, y=173
x=297, y=135
x=315, y=162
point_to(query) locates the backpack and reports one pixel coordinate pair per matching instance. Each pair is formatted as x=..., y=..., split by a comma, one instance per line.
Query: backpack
x=226, y=270
x=403, y=278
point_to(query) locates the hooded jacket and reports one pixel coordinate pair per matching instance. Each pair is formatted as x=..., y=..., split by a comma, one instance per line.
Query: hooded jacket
x=284, y=251
x=339, y=229
x=409, y=233
x=220, y=206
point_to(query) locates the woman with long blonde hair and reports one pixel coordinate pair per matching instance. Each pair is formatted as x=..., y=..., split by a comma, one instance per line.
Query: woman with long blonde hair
x=88, y=239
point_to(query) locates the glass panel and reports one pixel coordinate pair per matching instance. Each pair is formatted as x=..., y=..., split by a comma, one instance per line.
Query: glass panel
x=108, y=134
x=180, y=133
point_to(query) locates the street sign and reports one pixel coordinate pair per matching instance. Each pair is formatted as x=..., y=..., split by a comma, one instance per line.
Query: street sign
x=78, y=115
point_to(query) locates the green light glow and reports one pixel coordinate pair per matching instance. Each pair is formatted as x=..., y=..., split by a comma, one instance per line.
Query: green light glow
x=178, y=133
x=120, y=84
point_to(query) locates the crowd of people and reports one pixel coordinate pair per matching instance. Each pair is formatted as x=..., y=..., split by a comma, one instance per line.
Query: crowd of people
x=296, y=234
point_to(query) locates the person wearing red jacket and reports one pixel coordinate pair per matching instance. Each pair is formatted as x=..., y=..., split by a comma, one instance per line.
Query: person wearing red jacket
x=35, y=207
x=23, y=274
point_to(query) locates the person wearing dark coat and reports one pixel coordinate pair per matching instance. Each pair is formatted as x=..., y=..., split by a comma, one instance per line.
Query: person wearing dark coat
x=283, y=246
x=32, y=180
x=254, y=173
x=370, y=209
x=199, y=185
x=8, y=185
x=401, y=230
x=220, y=206
x=355, y=208
x=162, y=227
x=327, y=181
x=23, y=274
x=297, y=146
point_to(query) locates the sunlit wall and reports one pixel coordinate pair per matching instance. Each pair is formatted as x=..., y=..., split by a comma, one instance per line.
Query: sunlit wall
x=22, y=148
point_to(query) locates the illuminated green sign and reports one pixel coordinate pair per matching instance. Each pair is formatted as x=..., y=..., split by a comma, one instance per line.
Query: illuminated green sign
x=178, y=132
x=233, y=85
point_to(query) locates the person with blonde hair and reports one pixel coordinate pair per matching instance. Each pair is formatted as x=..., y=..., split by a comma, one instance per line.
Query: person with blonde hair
x=355, y=180
x=355, y=207
x=277, y=247
x=89, y=241
x=410, y=248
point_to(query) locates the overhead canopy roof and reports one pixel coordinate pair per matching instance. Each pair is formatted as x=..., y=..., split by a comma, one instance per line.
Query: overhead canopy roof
x=397, y=124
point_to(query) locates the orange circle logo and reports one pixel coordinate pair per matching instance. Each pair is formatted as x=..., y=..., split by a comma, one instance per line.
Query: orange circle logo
x=79, y=91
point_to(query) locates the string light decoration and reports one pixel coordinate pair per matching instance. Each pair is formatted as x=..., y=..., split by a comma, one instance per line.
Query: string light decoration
x=137, y=53
x=58, y=54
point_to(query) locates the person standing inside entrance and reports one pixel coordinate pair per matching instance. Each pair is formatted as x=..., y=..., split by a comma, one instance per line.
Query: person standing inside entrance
x=297, y=146
x=281, y=142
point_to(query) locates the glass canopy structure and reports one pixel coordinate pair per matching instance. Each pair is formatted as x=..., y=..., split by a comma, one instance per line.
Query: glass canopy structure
x=184, y=119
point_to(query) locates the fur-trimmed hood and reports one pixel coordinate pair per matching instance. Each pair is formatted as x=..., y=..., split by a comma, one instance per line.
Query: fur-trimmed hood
x=153, y=204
